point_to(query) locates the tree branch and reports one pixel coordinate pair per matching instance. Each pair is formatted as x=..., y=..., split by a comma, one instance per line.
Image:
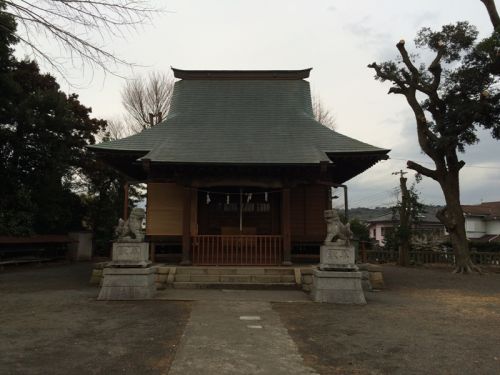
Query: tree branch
x=72, y=23
x=436, y=70
x=492, y=12
x=381, y=74
x=406, y=59
x=422, y=170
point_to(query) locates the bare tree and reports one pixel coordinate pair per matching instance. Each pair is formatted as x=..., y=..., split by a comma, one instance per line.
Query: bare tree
x=322, y=114
x=147, y=99
x=78, y=26
x=117, y=129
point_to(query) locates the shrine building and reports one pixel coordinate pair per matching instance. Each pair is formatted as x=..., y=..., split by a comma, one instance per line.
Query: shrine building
x=239, y=172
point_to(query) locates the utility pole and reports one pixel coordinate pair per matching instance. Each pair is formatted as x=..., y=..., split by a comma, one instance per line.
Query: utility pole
x=404, y=221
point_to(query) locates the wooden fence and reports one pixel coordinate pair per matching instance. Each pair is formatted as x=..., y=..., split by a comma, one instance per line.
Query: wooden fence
x=429, y=256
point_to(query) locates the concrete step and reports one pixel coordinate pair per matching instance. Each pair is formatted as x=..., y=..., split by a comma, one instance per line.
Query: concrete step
x=233, y=285
x=231, y=278
x=235, y=271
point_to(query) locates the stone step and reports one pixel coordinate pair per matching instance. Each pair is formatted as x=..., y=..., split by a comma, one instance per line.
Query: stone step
x=231, y=278
x=235, y=271
x=233, y=285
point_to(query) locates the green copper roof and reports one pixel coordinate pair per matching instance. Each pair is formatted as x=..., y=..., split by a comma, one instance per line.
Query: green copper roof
x=240, y=122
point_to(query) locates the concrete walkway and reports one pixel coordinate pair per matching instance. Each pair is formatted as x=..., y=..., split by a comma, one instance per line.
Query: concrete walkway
x=271, y=295
x=236, y=337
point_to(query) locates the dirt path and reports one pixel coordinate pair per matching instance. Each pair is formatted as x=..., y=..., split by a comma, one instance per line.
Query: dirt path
x=425, y=322
x=52, y=324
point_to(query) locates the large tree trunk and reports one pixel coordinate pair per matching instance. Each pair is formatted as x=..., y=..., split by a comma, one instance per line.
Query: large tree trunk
x=453, y=218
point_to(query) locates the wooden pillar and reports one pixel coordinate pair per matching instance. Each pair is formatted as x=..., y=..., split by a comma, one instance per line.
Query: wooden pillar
x=285, y=227
x=186, y=227
x=125, y=201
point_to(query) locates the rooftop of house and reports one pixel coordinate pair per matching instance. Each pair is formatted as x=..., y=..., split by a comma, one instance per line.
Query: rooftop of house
x=425, y=218
x=488, y=210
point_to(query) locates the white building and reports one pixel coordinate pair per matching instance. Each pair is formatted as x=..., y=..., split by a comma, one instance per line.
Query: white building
x=381, y=226
x=482, y=221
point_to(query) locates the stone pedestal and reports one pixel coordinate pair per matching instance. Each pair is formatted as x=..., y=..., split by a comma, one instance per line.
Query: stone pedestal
x=337, y=257
x=337, y=279
x=128, y=276
x=127, y=284
x=130, y=254
x=338, y=287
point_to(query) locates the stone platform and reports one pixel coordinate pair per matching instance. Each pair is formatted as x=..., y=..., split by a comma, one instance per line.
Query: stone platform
x=127, y=284
x=337, y=287
x=129, y=275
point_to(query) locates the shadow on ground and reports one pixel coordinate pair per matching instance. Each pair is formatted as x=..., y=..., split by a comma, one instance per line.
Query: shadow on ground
x=52, y=324
x=426, y=322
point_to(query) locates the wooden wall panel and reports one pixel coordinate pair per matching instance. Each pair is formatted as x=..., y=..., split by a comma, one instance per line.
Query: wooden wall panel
x=315, y=207
x=164, y=210
x=297, y=209
x=308, y=203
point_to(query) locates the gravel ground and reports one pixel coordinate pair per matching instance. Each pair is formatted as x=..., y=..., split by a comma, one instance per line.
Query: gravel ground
x=427, y=321
x=51, y=323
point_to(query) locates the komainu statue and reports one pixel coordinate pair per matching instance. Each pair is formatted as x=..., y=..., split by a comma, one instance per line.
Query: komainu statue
x=336, y=232
x=131, y=230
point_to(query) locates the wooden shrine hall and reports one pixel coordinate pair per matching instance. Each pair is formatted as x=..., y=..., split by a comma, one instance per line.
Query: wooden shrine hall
x=239, y=172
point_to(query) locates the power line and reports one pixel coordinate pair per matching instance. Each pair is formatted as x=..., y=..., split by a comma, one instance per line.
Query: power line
x=385, y=194
x=465, y=166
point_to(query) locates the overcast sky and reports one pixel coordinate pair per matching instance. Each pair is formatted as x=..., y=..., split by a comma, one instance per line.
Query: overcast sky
x=337, y=39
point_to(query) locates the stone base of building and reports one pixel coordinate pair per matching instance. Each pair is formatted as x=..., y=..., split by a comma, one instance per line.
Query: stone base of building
x=337, y=287
x=120, y=284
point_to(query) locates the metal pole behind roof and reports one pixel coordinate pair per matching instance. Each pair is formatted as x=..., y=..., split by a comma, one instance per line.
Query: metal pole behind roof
x=346, y=204
x=346, y=207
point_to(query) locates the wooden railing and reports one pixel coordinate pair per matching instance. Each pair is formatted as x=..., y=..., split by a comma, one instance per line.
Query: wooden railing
x=225, y=250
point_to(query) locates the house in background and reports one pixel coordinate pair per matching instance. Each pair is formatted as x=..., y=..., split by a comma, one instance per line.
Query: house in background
x=381, y=226
x=482, y=221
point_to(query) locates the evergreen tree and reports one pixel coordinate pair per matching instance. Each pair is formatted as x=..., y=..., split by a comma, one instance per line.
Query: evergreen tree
x=43, y=134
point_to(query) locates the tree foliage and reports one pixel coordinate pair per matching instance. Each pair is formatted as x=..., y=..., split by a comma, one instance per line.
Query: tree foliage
x=43, y=137
x=43, y=134
x=451, y=97
x=359, y=230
